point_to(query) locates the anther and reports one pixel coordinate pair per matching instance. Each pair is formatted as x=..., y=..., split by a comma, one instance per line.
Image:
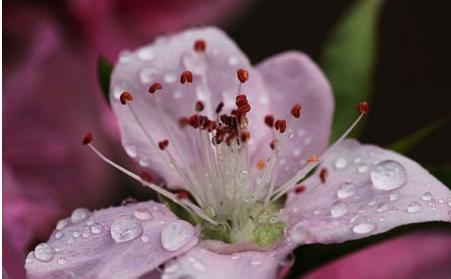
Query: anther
x=126, y=97
x=273, y=144
x=261, y=164
x=154, y=87
x=299, y=189
x=363, y=107
x=245, y=136
x=296, y=111
x=182, y=195
x=313, y=159
x=87, y=139
x=269, y=120
x=183, y=122
x=163, y=144
x=146, y=176
x=187, y=76
x=281, y=125
x=199, y=106
x=323, y=174
x=243, y=75
x=200, y=46
x=219, y=107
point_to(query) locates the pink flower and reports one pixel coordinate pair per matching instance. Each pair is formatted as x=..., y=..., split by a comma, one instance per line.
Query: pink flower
x=236, y=139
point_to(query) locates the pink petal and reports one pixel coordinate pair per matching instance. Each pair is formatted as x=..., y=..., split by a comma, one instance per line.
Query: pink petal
x=293, y=78
x=200, y=263
x=163, y=62
x=350, y=206
x=89, y=248
x=419, y=255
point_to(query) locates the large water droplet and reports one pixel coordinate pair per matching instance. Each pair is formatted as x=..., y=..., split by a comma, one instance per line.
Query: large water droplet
x=79, y=214
x=338, y=209
x=146, y=53
x=131, y=150
x=44, y=252
x=427, y=196
x=176, y=235
x=414, y=207
x=61, y=224
x=125, y=228
x=346, y=190
x=169, y=78
x=340, y=163
x=232, y=61
x=388, y=175
x=58, y=235
x=143, y=214
x=363, y=227
x=299, y=233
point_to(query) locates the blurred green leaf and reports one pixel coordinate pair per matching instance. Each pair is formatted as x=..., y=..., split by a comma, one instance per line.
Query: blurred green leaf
x=104, y=69
x=348, y=59
x=405, y=144
x=443, y=174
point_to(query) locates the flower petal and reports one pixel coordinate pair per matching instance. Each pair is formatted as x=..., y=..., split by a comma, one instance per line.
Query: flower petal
x=200, y=263
x=120, y=242
x=369, y=190
x=293, y=78
x=419, y=255
x=215, y=80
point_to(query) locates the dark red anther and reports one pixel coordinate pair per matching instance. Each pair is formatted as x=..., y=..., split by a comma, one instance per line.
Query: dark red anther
x=187, y=76
x=87, y=139
x=299, y=189
x=126, y=97
x=245, y=136
x=296, y=111
x=242, y=110
x=323, y=174
x=269, y=120
x=273, y=144
x=146, y=176
x=183, y=122
x=363, y=107
x=182, y=195
x=219, y=107
x=241, y=100
x=199, y=106
x=154, y=87
x=163, y=144
x=243, y=75
x=194, y=121
x=200, y=46
x=280, y=125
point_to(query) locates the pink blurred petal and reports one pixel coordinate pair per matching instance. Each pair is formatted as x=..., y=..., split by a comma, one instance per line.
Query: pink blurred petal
x=163, y=62
x=203, y=264
x=418, y=255
x=325, y=218
x=293, y=78
x=88, y=249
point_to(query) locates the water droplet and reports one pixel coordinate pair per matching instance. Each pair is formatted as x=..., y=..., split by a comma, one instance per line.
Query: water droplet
x=290, y=133
x=124, y=57
x=427, y=196
x=61, y=224
x=147, y=75
x=145, y=238
x=176, y=235
x=44, y=252
x=364, y=227
x=263, y=100
x=85, y=234
x=297, y=152
x=177, y=95
x=131, y=150
x=232, y=61
x=338, y=209
x=143, y=214
x=235, y=256
x=58, y=235
x=146, y=53
x=61, y=261
x=198, y=266
x=96, y=228
x=170, y=78
x=125, y=228
x=357, y=160
x=256, y=263
x=394, y=197
x=340, y=163
x=76, y=234
x=362, y=168
x=414, y=207
x=79, y=214
x=382, y=207
x=195, y=63
x=388, y=175
x=346, y=190
x=299, y=233
x=90, y=223
x=70, y=240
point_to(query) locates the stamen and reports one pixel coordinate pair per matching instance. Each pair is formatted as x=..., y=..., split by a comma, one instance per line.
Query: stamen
x=200, y=46
x=272, y=145
x=363, y=107
x=323, y=174
x=269, y=121
x=146, y=176
x=126, y=97
x=187, y=76
x=296, y=111
x=163, y=144
x=299, y=189
x=313, y=159
x=87, y=139
x=154, y=87
x=182, y=195
x=199, y=106
x=261, y=164
x=219, y=107
x=245, y=135
x=243, y=75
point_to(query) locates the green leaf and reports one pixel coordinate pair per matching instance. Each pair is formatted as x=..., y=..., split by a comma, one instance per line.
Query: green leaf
x=348, y=59
x=405, y=144
x=180, y=211
x=104, y=69
x=443, y=174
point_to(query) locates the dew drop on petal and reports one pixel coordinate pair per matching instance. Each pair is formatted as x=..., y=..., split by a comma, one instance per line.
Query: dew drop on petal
x=169, y=78
x=299, y=233
x=427, y=196
x=145, y=238
x=388, y=175
x=58, y=235
x=147, y=75
x=362, y=169
x=382, y=207
x=232, y=61
x=394, y=197
x=338, y=209
x=176, y=235
x=96, y=228
x=363, y=227
x=131, y=150
x=256, y=263
x=44, y=252
x=346, y=190
x=79, y=214
x=125, y=228
x=414, y=207
x=61, y=224
x=146, y=53
x=340, y=163
x=143, y=214
x=61, y=261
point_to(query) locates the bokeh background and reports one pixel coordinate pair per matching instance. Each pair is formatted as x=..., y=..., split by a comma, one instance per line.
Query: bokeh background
x=396, y=54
